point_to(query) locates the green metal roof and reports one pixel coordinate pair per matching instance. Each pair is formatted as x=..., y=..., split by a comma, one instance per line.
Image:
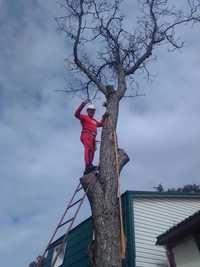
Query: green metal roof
x=154, y=194
x=78, y=228
x=77, y=246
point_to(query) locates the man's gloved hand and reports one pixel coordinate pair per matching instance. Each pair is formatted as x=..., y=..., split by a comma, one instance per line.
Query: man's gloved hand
x=86, y=101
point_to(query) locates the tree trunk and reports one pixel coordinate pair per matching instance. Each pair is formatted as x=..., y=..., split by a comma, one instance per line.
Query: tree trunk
x=103, y=194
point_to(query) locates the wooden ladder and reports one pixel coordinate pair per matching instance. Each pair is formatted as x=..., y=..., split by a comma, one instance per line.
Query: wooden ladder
x=66, y=221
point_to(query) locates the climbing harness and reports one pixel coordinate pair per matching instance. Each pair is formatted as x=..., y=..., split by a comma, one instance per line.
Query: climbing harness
x=89, y=132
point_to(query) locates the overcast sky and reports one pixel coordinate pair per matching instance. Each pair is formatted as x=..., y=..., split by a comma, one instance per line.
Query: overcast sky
x=41, y=156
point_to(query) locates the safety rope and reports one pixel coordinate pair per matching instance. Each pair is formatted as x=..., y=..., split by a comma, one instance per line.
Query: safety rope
x=122, y=235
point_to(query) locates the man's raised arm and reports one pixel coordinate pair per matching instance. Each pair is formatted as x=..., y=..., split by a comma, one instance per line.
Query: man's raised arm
x=77, y=112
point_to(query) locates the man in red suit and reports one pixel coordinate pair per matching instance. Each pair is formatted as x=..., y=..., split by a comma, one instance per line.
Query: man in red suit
x=88, y=133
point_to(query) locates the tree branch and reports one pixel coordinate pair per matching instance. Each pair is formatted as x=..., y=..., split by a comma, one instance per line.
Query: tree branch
x=149, y=48
x=77, y=61
x=123, y=158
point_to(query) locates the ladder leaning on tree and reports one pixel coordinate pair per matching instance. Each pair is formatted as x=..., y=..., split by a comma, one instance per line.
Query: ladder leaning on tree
x=66, y=221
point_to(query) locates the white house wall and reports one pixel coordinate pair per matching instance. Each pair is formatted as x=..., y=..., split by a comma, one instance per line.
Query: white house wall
x=60, y=257
x=152, y=217
x=187, y=254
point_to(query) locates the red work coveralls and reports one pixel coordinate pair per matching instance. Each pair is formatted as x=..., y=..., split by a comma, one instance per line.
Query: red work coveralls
x=88, y=134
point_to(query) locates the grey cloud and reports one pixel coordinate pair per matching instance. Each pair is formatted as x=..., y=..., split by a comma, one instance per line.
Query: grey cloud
x=41, y=156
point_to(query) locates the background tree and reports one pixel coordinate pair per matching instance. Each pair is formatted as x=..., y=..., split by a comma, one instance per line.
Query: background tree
x=188, y=188
x=104, y=52
x=159, y=188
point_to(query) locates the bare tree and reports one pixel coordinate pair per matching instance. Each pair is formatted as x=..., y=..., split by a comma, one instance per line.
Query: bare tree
x=104, y=52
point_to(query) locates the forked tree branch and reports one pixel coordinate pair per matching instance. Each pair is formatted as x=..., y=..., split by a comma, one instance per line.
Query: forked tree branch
x=116, y=53
x=91, y=76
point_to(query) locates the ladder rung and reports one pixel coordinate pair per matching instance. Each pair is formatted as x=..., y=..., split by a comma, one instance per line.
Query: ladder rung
x=75, y=203
x=66, y=222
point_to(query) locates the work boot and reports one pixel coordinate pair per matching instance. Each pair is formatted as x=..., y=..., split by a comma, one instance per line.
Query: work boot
x=87, y=169
x=93, y=168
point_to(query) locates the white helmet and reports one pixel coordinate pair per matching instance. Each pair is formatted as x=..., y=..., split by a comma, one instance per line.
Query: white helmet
x=91, y=106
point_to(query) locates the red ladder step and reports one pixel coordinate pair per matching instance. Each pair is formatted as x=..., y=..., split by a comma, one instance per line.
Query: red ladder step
x=75, y=203
x=71, y=219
